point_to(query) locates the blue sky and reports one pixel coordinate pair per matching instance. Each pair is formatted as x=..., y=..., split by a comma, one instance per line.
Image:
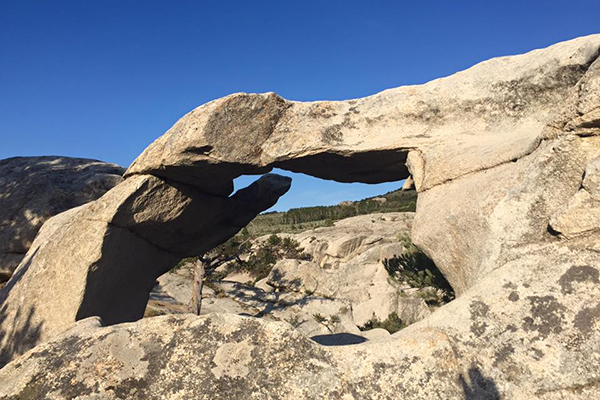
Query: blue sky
x=103, y=79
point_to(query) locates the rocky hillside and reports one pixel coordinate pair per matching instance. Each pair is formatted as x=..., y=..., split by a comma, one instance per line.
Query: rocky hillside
x=337, y=283
x=300, y=219
x=505, y=159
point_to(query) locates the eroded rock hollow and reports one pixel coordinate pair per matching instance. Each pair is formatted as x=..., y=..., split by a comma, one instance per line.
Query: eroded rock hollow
x=505, y=158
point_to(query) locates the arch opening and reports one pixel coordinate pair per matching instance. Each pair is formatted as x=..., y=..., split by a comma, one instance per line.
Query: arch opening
x=261, y=271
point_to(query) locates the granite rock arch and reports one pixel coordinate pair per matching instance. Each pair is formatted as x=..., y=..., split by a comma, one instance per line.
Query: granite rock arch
x=458, y=137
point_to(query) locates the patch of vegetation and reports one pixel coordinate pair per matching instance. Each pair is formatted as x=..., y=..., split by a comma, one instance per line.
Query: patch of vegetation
x=319, y=318
x=294, y=320
x=417, y=270
x=433, y=296
x=328, y=323
x=405, y=239
x=392, y=324
x=262, y=259
x=328, y=223
x=240, y=256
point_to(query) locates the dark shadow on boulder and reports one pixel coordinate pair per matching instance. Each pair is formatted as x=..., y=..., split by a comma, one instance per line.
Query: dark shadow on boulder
x=338, y=339
x=119, y=283
x=479, y=387
x=273, y=301
x=24, y=335
x=135, y=254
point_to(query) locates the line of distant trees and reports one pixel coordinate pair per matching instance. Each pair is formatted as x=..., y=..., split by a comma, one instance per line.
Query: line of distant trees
x=393, y=201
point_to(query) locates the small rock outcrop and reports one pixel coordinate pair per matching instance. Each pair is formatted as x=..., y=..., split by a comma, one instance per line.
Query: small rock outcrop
x=347, y=262
x=33, y=189
x=504, y=156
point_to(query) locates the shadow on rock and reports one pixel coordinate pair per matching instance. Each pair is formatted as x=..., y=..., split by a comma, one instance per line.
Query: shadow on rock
x=479, y=387
x=16, y=338
x=338, y=339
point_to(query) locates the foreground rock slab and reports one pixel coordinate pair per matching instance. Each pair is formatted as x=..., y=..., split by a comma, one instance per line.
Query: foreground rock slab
x=33, y=189
x=218, y=356
x=515, y=336
x=453, y=129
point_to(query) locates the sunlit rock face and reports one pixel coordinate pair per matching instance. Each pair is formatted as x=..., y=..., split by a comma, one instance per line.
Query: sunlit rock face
x=504, y=156
x=33, y=189
x=449, y=131
x=347, y=261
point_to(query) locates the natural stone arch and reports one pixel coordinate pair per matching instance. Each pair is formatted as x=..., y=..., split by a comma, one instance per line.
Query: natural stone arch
x=455, y=135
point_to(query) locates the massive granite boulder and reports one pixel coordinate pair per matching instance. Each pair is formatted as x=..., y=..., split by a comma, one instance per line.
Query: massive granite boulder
x=451, y=129
x=33, y=189
x=476, y=119
x=504, y=156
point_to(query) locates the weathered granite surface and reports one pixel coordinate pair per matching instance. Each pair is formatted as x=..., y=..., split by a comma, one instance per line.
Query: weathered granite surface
x=33, y=189
x=504, y=156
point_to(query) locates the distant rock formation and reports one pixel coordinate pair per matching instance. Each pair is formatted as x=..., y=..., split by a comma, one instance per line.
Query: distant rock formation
x=409, y=184
x=347, y=263
x=504, y=157
x=33, y=189
x=345, y=281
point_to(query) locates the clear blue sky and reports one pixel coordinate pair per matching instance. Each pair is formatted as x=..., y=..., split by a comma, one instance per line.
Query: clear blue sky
x=103, y=79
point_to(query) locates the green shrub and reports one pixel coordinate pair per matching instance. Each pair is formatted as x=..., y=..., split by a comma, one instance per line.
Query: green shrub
x=274, y=240
x=294, y=320
x=261, y=260
x=319, y=318
x=392, y=324
x=406, y=241
x=417, y=270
